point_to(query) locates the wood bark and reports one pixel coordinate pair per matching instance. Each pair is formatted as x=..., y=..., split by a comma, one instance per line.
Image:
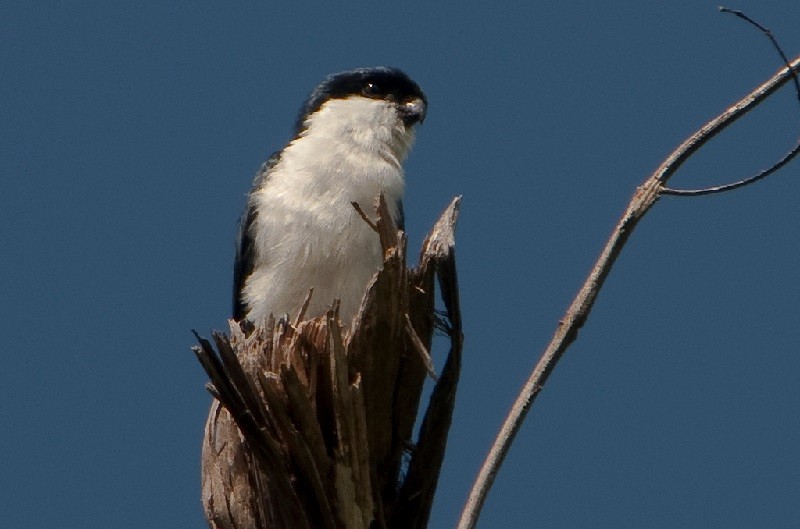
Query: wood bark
x=312, y=424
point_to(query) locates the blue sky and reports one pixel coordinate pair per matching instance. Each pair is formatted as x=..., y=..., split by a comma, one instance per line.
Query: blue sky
x=130, y=133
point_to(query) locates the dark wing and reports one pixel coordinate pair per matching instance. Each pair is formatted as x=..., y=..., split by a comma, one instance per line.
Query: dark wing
x=244, y=260
x=401, y=216
x=245, y=254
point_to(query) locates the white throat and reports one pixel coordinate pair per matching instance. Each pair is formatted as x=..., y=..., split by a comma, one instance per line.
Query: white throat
x=371, y=126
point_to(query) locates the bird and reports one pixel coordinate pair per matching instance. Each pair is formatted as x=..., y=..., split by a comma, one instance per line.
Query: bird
x=300, y=230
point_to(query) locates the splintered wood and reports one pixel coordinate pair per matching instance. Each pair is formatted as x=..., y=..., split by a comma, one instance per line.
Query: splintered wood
x=312, y=424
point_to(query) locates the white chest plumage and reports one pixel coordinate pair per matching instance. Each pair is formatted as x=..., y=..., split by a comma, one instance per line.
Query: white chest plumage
x=307, y=233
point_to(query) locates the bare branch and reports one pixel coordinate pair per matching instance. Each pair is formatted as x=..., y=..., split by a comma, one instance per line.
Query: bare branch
x=693, y=143
x=734, y=185
x=766, y=172
x=577, y=313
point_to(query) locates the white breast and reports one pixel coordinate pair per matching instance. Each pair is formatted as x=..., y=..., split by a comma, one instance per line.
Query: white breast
x=307, y=233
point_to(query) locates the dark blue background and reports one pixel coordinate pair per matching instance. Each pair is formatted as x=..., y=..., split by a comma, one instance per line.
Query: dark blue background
x=129, y=135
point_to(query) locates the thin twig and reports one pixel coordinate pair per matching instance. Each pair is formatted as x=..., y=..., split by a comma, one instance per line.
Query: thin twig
x=766, y=31
x=419, y=347
x=567, y=330
x=734, y=185
x=724, y=120
x=364, y=216
x=766, y=172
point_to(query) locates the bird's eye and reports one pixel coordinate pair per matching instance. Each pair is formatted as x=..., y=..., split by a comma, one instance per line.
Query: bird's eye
x=371, y=89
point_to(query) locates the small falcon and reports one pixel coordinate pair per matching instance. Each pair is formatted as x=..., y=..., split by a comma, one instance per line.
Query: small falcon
x=300, y=230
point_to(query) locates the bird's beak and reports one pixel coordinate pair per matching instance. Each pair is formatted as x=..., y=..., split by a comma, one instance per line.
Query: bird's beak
x=413, y=111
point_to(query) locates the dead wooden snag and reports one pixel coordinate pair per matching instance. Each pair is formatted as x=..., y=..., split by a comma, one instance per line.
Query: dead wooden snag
x=312, y=424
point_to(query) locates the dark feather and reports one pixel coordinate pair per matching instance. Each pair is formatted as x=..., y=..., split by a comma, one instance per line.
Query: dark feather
x=401, y=216
x=245, y=253
x=378, y=83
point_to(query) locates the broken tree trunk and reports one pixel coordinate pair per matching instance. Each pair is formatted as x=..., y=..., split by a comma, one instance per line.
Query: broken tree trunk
x=312, y=424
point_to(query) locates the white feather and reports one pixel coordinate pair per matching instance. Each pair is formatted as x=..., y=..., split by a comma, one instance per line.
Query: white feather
x=307, y=233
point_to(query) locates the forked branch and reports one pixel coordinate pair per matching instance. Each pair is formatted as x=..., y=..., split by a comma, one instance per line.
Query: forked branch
x=577, y=313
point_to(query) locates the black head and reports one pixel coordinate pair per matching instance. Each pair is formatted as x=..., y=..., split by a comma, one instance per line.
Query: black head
x=390, y=84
